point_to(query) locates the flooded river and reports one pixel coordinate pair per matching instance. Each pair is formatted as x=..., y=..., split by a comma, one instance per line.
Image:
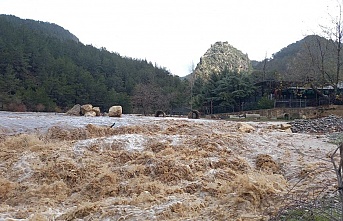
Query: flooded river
x=58, y=167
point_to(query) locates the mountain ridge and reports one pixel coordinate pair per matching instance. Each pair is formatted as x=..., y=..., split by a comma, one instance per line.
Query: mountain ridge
x=47, y=28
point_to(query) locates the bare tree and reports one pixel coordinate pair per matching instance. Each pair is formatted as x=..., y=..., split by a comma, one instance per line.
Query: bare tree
x=335, y=33
x=319, y=62
x=144, y=98
x=264, y=73
x=313, y=65
x=191, y=81
x=148, y=98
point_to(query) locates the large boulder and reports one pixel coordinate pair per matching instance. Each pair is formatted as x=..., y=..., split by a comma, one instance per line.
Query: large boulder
x=285, y=126
x=115, y=111
x=86, y=108
x=97, y=111
x=75, y=111
x=90, y=114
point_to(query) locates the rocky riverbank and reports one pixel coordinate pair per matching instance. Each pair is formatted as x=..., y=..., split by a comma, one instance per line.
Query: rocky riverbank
x=325, y=125
x=331, y=126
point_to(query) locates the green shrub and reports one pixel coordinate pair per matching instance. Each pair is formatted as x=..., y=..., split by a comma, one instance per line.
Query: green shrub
x=265, y=103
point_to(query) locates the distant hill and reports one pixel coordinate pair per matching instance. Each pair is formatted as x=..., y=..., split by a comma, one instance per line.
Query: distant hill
x=44, y=67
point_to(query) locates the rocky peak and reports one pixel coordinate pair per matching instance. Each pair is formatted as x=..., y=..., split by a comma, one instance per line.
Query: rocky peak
x=221, y=56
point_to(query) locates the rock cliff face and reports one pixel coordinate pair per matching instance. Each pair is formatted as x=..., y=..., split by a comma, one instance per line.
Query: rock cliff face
x=219, y=57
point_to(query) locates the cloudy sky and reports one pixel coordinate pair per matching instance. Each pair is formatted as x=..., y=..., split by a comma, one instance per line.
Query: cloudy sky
x=176, y=33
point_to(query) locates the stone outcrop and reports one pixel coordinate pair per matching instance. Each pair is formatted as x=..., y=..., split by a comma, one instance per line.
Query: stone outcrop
x=222, y=56
x=75, y=111
x=115, y=111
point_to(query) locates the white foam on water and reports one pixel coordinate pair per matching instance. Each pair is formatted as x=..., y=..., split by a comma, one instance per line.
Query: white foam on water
x=23, y=167
x=131, y=142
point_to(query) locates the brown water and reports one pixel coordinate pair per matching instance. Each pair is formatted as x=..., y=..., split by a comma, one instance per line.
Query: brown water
x=55, y=167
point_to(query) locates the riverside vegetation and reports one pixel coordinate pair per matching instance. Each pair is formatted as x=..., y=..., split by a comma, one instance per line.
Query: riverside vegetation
x=44, y=67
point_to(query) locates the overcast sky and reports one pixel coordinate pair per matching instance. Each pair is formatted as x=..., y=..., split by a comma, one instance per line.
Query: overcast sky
x=175, y=33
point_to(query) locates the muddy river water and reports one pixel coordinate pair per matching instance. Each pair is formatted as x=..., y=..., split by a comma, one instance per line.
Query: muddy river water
x=58, y=167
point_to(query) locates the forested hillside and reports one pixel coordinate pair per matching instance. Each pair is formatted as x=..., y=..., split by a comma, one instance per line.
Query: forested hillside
x=302, y=62
x=280, y=60
x=314, y=62
x=45, y=68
